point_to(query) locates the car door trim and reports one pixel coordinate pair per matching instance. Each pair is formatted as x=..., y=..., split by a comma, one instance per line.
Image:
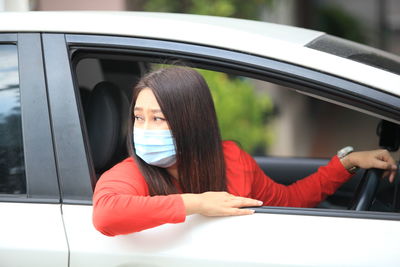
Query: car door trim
x=329, y=213
x=10, y=38
x=38, y=146
x=72, y=163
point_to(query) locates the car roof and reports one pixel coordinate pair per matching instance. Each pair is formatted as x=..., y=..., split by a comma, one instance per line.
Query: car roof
x=280, y=42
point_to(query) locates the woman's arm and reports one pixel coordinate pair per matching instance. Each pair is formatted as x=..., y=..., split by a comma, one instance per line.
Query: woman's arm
x=310, y=191
x=122, y=205
x=116, y=213
x=306, y=192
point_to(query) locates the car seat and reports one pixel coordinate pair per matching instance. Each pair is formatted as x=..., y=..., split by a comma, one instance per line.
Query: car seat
x=106, y=111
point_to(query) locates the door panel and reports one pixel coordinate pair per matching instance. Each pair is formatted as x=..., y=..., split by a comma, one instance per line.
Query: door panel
x=255, y=240
x=32, y=235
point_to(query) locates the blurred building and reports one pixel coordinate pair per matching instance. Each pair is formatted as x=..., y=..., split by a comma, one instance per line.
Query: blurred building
x=15, y=5
x=310, y=128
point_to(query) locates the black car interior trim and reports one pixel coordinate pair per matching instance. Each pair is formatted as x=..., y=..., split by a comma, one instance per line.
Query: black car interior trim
x=38, y=146
x=72, y=162
x=329, y=213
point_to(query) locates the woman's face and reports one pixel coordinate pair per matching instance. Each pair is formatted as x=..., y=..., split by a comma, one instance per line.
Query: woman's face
x=147, y=112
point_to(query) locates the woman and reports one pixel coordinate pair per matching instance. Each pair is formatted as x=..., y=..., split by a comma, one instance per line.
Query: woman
x=179, y=165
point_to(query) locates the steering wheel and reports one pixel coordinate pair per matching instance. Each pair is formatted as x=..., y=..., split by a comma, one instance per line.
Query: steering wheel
x=366, y=190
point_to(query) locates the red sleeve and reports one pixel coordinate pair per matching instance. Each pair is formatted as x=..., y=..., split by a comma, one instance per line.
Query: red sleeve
x=307, y=192
x=122, y=205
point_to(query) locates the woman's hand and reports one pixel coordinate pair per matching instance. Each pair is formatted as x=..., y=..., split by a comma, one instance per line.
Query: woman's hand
x=218, y=204
x=380, y=159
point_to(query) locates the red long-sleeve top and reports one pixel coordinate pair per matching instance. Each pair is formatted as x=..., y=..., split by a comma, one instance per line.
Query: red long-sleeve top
x=122, y=205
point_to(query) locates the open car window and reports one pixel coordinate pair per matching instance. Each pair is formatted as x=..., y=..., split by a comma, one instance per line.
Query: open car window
x=289, y=133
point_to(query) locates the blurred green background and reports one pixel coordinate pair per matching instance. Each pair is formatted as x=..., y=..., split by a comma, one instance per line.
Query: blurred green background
x=242, y=111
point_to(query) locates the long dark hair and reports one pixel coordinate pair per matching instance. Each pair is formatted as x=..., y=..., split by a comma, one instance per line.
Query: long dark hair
x=186, y=102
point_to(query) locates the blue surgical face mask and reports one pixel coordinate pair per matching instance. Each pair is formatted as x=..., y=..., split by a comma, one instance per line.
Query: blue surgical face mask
x=155, y=147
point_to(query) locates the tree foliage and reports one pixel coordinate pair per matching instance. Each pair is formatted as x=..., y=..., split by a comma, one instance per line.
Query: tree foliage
x=337, y=21
x=241, y=111
x=248, y=9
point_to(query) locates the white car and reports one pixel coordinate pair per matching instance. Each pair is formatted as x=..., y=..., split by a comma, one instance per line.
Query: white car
x=59, y=132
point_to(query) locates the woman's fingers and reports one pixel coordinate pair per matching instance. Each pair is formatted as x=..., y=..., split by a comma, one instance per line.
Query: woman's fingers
x=239, y=202
x=385, y=156
x=386, y=162
x=392, y=176
x=237, y=212
x=224, y=204
x=231, y=212
x=380, y=159
x=382, y=165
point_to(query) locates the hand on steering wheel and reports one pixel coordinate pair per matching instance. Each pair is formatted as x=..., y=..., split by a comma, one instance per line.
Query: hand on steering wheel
x=366, y=190
x=380, y=164
x=380, y=159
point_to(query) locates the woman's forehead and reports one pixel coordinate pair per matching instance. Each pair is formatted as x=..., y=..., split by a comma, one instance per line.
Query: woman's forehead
x=146, y=100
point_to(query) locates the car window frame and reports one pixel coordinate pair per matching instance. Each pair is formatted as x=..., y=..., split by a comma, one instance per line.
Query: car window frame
x=235, y=62
x=41, y=179
x=71, y=153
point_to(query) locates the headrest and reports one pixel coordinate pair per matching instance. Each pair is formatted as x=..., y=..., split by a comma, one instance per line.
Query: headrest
x=389, y=135
x=106, y=111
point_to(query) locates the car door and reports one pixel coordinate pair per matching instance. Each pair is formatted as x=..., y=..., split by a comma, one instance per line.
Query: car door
x=272, y=236
x=31, y=226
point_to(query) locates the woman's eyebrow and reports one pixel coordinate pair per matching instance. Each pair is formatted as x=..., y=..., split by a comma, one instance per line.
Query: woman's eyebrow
x=152, y=110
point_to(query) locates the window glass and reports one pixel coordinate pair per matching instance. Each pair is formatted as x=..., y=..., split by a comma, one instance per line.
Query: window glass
x=12, y=170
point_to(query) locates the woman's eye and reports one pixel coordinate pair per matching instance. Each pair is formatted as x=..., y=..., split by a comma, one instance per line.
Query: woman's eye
x=137, y=118
x=159, y=119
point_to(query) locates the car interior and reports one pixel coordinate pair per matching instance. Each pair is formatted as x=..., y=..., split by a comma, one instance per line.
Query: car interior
x=104, y=83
